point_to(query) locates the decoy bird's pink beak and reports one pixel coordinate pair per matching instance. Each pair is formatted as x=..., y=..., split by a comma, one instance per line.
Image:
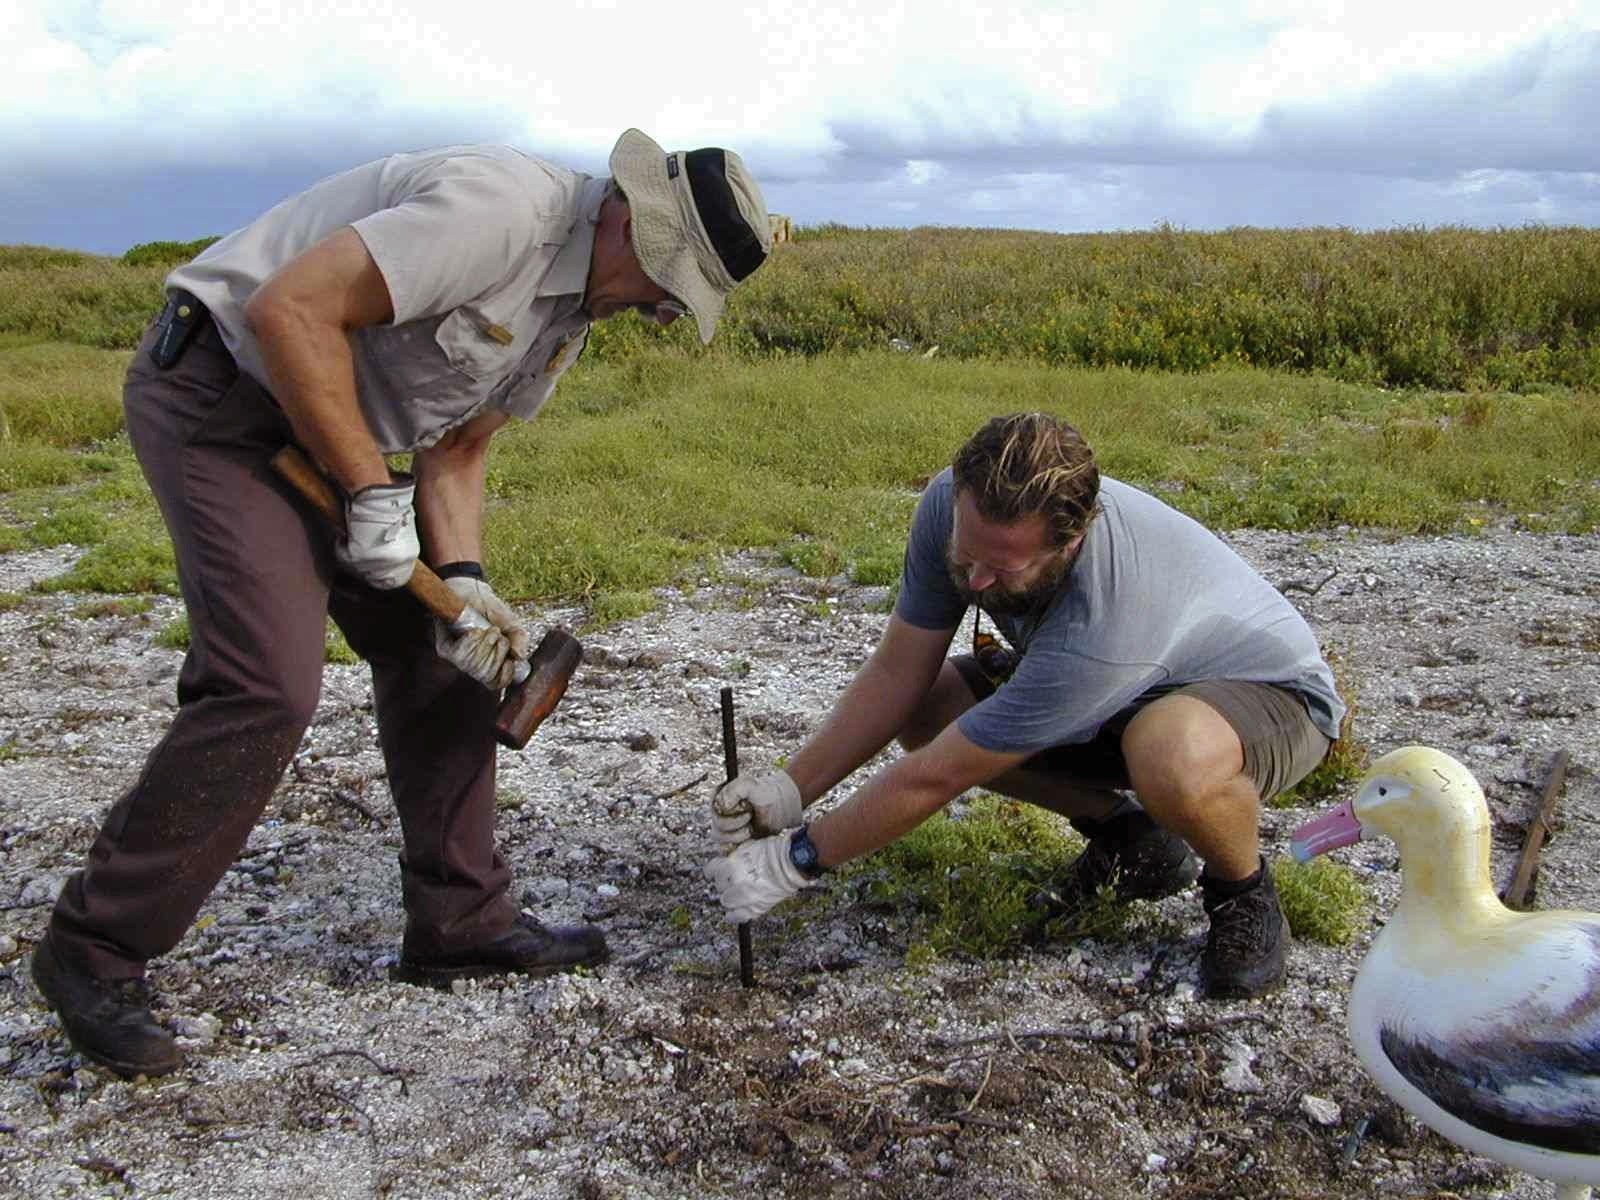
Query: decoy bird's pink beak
x=1327, y=832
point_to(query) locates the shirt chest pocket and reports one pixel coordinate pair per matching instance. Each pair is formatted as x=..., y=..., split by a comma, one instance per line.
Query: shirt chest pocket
x=532, y=385
x=478, y=347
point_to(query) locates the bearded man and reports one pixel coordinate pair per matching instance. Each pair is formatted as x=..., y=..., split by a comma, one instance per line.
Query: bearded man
x=1155, y=690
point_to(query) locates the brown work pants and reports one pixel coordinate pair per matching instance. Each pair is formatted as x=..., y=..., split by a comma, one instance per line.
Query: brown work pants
x=257, y=573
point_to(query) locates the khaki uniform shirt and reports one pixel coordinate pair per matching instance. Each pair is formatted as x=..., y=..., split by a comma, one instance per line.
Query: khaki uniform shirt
x=485, y=251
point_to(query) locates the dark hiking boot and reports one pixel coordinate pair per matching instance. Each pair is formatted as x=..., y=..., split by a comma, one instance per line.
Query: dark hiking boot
x=527, y=948
x=1248, y=946
x=1130, y=854
x=108, y=1021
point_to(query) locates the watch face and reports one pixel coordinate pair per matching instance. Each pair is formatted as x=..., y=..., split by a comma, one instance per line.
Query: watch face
x=803, y=854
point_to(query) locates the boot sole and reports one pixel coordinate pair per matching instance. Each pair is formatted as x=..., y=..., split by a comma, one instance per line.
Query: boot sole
x=124, y=1070
x=1181, y=879
x=443, y=977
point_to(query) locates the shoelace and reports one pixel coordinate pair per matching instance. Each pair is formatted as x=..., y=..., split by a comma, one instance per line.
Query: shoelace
x=1237, y=924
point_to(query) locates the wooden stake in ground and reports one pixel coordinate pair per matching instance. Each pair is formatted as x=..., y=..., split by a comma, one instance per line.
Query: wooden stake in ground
x=730, y=759
x=1519, y=892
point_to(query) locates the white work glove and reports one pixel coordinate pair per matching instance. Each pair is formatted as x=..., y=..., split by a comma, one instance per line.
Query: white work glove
x=756, y=876
x=753, y=806
x=488, y=642
x=380, y=542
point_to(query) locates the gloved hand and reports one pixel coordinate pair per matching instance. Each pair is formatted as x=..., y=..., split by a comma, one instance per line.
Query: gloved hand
x=755, y=806
x=380, y=542
x=492, y=649
x=756, y=876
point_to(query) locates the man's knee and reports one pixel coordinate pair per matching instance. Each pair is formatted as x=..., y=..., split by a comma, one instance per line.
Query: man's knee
x=1181, y=752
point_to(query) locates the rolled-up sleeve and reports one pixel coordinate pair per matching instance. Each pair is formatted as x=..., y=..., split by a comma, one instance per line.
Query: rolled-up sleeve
x=453, y=230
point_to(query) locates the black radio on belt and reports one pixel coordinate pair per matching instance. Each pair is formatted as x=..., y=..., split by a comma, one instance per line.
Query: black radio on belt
x=179, y=321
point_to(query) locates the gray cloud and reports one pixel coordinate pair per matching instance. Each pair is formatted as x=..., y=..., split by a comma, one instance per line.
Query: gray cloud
x=1202, y=121
x=1533, y=110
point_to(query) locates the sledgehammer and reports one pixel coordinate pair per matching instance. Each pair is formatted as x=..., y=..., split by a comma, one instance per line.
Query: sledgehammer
x=528, y=702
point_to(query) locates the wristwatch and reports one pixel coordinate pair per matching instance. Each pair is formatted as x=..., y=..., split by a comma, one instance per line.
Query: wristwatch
x=803, y=854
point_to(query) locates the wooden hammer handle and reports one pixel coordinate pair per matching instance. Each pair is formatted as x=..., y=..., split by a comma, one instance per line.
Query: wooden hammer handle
x=526, y=704
x=314, y=486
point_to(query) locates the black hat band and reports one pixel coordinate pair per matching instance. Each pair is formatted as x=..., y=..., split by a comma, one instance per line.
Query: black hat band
x=735, y=242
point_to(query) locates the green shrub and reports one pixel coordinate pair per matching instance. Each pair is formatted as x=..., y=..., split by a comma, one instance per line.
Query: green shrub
x=1323, y=899
x=336, y=650
x=965, y=876
x=164, y=254
x=609, y=607
x=1445, y=308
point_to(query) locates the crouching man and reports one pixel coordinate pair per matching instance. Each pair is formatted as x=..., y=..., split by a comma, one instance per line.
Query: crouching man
x=1144, y=657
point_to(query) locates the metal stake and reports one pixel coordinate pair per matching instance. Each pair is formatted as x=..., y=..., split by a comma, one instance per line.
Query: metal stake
x=730, y=759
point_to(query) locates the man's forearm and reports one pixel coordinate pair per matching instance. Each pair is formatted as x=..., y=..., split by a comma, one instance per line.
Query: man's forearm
x=450, y=481
x=302, y=318
x=889, y=805
x=450, y=509
x=313, y=381
x=874, y=708
x=904, y=794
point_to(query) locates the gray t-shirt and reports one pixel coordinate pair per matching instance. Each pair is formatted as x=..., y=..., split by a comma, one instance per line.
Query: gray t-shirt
x=1154, y=601
x=485, y=252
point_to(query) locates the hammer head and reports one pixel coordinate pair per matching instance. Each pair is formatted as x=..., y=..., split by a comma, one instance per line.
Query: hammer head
x=528, y=703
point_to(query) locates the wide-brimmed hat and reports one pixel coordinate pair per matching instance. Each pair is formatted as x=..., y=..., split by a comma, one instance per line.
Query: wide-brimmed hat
x=699, y=223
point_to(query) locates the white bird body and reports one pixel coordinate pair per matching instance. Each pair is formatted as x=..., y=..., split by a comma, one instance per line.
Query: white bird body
x=1482, y=1022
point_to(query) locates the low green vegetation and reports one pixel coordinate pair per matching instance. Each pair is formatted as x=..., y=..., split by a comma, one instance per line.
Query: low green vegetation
x=963, y=879
x=1323, y=899
x=337, y=650
x=165, y=255
x=174, y=635
x=615, y=491
x=59, y=395
x=1504, y=309
x=799, y=431
x=964, y=883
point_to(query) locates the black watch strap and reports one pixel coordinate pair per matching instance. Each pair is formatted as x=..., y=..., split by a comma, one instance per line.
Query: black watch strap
x=455, y=570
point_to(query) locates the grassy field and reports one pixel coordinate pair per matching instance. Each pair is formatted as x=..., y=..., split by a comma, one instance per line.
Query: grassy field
x=803, y=430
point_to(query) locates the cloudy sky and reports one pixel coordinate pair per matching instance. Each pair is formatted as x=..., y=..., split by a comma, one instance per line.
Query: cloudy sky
x=123, y=121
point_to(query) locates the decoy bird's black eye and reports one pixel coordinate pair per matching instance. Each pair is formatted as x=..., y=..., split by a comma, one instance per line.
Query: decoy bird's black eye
x=1383, y=791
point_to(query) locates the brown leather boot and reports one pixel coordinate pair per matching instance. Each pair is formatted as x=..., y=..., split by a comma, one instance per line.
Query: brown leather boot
x=527, y=948
x=108, y=1021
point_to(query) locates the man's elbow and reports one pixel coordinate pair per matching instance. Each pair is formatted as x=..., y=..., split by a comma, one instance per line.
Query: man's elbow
x=925, y=786
x=272, y=314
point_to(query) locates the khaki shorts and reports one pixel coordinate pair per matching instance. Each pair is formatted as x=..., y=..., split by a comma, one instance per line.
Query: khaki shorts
x=1281, y=744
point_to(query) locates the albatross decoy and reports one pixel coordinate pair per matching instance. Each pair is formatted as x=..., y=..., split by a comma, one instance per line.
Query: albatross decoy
x=1482, y=1022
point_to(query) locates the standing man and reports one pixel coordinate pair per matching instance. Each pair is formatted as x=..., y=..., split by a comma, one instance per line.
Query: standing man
x=1146, y=655
x=413, y=304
